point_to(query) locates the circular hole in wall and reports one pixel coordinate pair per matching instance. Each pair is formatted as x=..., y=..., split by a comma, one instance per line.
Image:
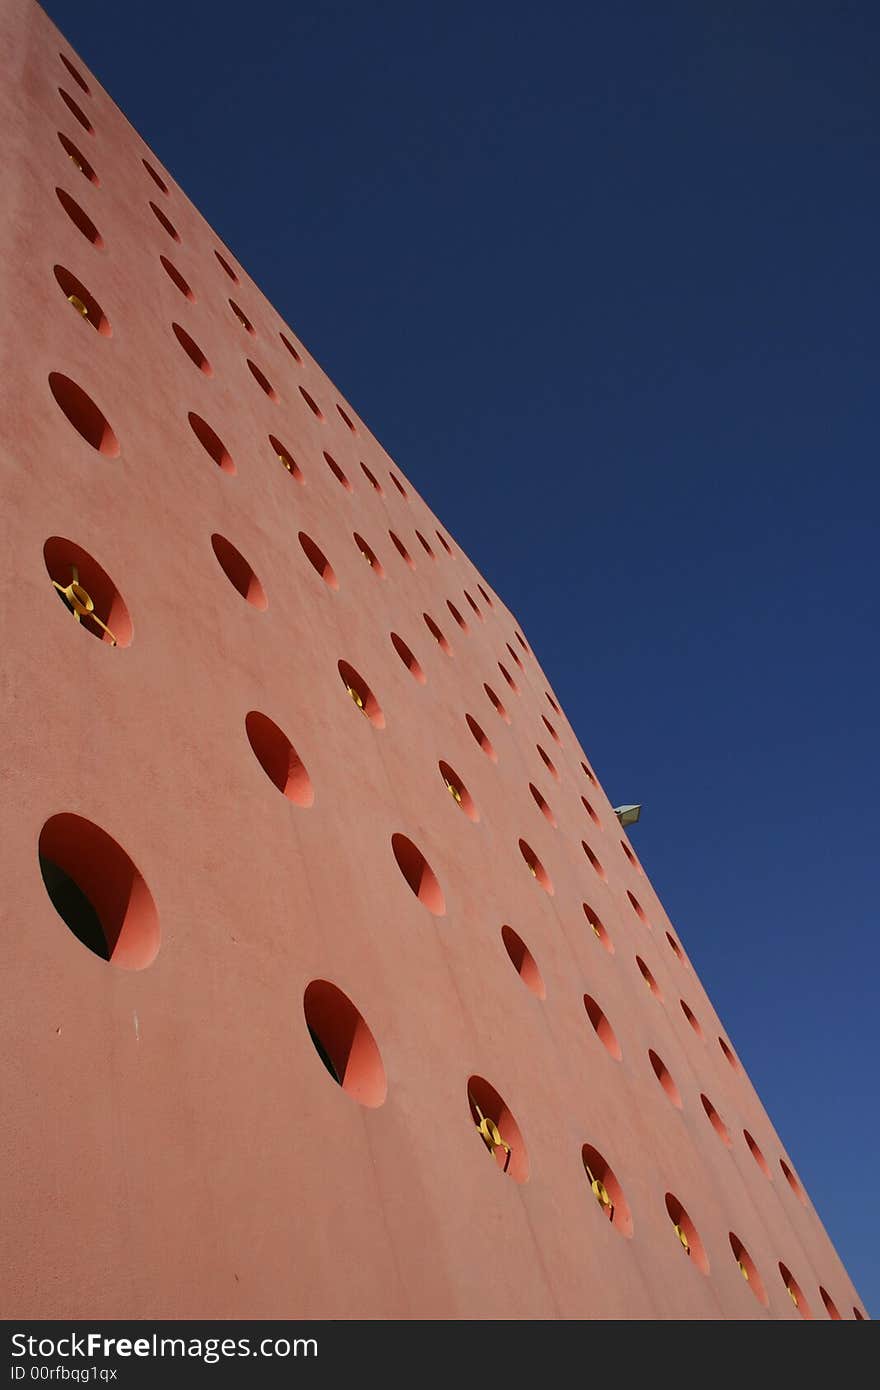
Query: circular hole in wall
x=337, y=472
x=590, y=812
x=344, y=1043
x=76, y=111
x=361, y=695
x=239, y=572
x=830, y=1305
x=598, y=928
x=630, y=856
x=318, y=560
x=262, y=380
x=497, y=1128
x=227, y=267
x=285, y=458
x=369, y=555
x=734, y=1061
x=757, y=1155
x=457, y=616
x=793, y=1182
x=482, y=739
x=664, y=1076
x=692, y=1020
x=523, y=962
x=548, y=763
x=542, y=805
x=607, y=1191
x=425, y=546
x=437, y=634
x=509, y=678
x=78, y=79
x=98, y=892
x=687, y=1233
x=550, y=729
x=497, y=703
x=157, y=180
x=408, y=659
x=402, y=550
x=83, y=414
x=444, y=542
x=397, y=483
x=675, y=946
x=795, y=1292
x=77, y=158
x=472, y=604
x=418, y=874
x=858, y=1314
x=165, y=222
x=716, y=1121
x=279, y=759
x=594, y=860
x=535, y=867
x=346, y=419
x=83, y=301
x=649, y=979
x=242, y=318
x=211, y=442
x=458, y=791
x=485, y=596
x=192, y=350
x=638, y=909
x=516, y=658
x=290, y=348
x=312, y=405
x=80, y=219
x=372, y=480
x=522, y=641
x=589, y=774
x=176, y=278
x=553, y=704
x=87, y=592
x=602, y=1028
x=748, y=1269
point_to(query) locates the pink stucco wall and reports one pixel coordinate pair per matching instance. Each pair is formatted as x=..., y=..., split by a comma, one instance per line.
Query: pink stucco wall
x=172, y=1145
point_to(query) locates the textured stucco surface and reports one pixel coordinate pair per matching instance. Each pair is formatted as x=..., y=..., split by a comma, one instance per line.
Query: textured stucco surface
x=172, y=1146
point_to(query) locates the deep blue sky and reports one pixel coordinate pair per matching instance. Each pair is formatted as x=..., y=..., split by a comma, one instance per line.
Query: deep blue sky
x=603, y=278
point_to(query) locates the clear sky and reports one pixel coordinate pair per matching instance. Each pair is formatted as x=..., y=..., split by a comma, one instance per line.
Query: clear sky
x=603, y=278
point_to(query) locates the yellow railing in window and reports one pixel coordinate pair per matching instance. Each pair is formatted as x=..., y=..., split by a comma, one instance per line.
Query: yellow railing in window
x=80, y=602
x=600, y=1192
x=490, y=1134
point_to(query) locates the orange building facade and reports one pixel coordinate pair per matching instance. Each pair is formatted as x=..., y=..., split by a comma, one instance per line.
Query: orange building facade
x=332, y=986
